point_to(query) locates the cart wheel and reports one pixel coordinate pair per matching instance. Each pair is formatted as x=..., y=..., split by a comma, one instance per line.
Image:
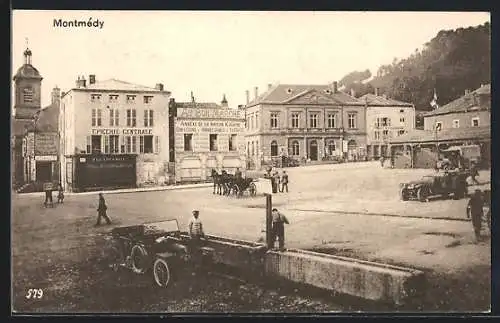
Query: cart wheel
x=139, y=258
x=161, y=272
x=252, y=189
x=422, y=194
x=403, y=195
x=235, y=190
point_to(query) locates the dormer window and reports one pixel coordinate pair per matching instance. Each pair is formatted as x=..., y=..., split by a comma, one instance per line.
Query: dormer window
x=28, y=94
x=95, y=97
x=148, y=99
x=130, y=98
x=113, y=98
x=289, y=91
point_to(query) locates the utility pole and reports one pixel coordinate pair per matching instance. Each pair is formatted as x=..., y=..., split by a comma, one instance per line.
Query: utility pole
x=269, y=207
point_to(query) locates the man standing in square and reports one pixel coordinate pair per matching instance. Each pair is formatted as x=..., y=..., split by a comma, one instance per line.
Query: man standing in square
x=278, y=228
x=284, y=182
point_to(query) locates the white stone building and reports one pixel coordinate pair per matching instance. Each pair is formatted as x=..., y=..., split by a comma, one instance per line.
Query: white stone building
x=113, y=134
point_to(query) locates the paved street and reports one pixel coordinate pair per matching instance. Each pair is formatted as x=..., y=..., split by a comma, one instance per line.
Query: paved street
x=332, y=208
x=329, y=206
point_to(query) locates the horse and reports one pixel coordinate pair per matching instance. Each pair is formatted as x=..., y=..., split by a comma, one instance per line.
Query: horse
x=226, y=182
x=217, y=182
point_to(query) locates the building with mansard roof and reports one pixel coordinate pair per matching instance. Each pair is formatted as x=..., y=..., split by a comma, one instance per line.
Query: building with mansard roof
x=304, y=122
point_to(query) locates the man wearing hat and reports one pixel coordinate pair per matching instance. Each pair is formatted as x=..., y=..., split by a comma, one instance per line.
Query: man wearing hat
x=195, y=229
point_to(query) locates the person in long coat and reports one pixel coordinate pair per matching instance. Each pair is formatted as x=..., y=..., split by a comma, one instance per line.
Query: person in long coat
x=102, y=211
x=475, y=212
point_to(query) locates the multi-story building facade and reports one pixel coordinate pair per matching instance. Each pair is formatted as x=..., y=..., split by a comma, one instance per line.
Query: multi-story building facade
x=466, y=120
x=207, y=136
x=113, y=134
x=41, y=144
x=473, y=110
x=385, y=119
x=310, y=122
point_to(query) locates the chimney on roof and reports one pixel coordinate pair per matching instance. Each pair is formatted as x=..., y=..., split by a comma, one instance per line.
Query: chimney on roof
x=335, y=86
x=81, y=82
x=269, y=86
x=56, y=95
x=467, y=91
x=353, y=93
x=224, y=101
x=159, y=86
x=376, y=91
x=256, y=92
x=91, y=79
x=248, y=96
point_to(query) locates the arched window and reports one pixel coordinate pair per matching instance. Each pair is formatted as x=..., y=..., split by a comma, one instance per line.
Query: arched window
x=274, y=148
x=295, y=148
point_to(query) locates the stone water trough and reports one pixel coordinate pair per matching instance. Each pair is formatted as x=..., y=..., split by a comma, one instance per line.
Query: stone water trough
x=343, y=275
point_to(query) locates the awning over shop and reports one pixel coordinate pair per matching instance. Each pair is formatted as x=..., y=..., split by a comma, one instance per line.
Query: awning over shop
x=453, y=134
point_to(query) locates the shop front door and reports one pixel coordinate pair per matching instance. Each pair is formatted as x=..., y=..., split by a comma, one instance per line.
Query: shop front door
x=43, y=172
x=313, y=150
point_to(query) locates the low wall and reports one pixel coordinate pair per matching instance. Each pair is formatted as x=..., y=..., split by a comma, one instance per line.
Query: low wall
x=349, y=276
x=343, y=275
x=244, y=255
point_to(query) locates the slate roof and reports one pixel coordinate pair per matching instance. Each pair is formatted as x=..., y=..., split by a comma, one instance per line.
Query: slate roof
x=462, y=104
x=19, y=126
x=377, y=100
x=27, y=71
x=48, y=119
x=202, y=105
x=420, y=136
x=118, y=85
x=281, y=93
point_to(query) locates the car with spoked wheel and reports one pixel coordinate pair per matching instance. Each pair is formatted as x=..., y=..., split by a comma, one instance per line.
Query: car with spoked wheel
x=159, y=248
x=441, y=184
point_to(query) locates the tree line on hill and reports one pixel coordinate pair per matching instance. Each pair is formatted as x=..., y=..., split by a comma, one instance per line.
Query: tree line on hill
x=450, y=63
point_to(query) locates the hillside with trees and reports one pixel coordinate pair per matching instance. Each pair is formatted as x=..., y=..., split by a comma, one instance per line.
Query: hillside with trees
x=451, y=62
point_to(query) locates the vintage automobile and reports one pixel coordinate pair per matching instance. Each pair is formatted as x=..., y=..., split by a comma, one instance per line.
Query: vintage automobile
x=442, y=183
x=159, y=247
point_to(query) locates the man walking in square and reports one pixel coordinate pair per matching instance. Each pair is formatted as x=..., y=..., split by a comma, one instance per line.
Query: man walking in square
x=102, y=211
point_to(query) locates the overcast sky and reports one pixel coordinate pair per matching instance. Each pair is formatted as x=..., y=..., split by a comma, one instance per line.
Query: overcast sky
x=211, y=53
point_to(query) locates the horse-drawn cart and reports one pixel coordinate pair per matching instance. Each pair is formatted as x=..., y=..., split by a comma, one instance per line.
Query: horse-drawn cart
x=242, y=185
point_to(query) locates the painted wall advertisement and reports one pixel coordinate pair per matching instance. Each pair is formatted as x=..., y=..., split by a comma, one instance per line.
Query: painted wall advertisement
x=198, y=113
x=215, y=127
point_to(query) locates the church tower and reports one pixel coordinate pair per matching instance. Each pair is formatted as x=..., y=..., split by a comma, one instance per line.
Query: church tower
x=27, y=102
x=27, y=88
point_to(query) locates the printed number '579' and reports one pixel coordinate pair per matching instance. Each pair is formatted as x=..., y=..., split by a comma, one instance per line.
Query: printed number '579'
x=34, y=293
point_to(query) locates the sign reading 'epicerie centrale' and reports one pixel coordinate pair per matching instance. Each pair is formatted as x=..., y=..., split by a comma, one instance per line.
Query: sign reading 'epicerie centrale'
x=129, y=131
